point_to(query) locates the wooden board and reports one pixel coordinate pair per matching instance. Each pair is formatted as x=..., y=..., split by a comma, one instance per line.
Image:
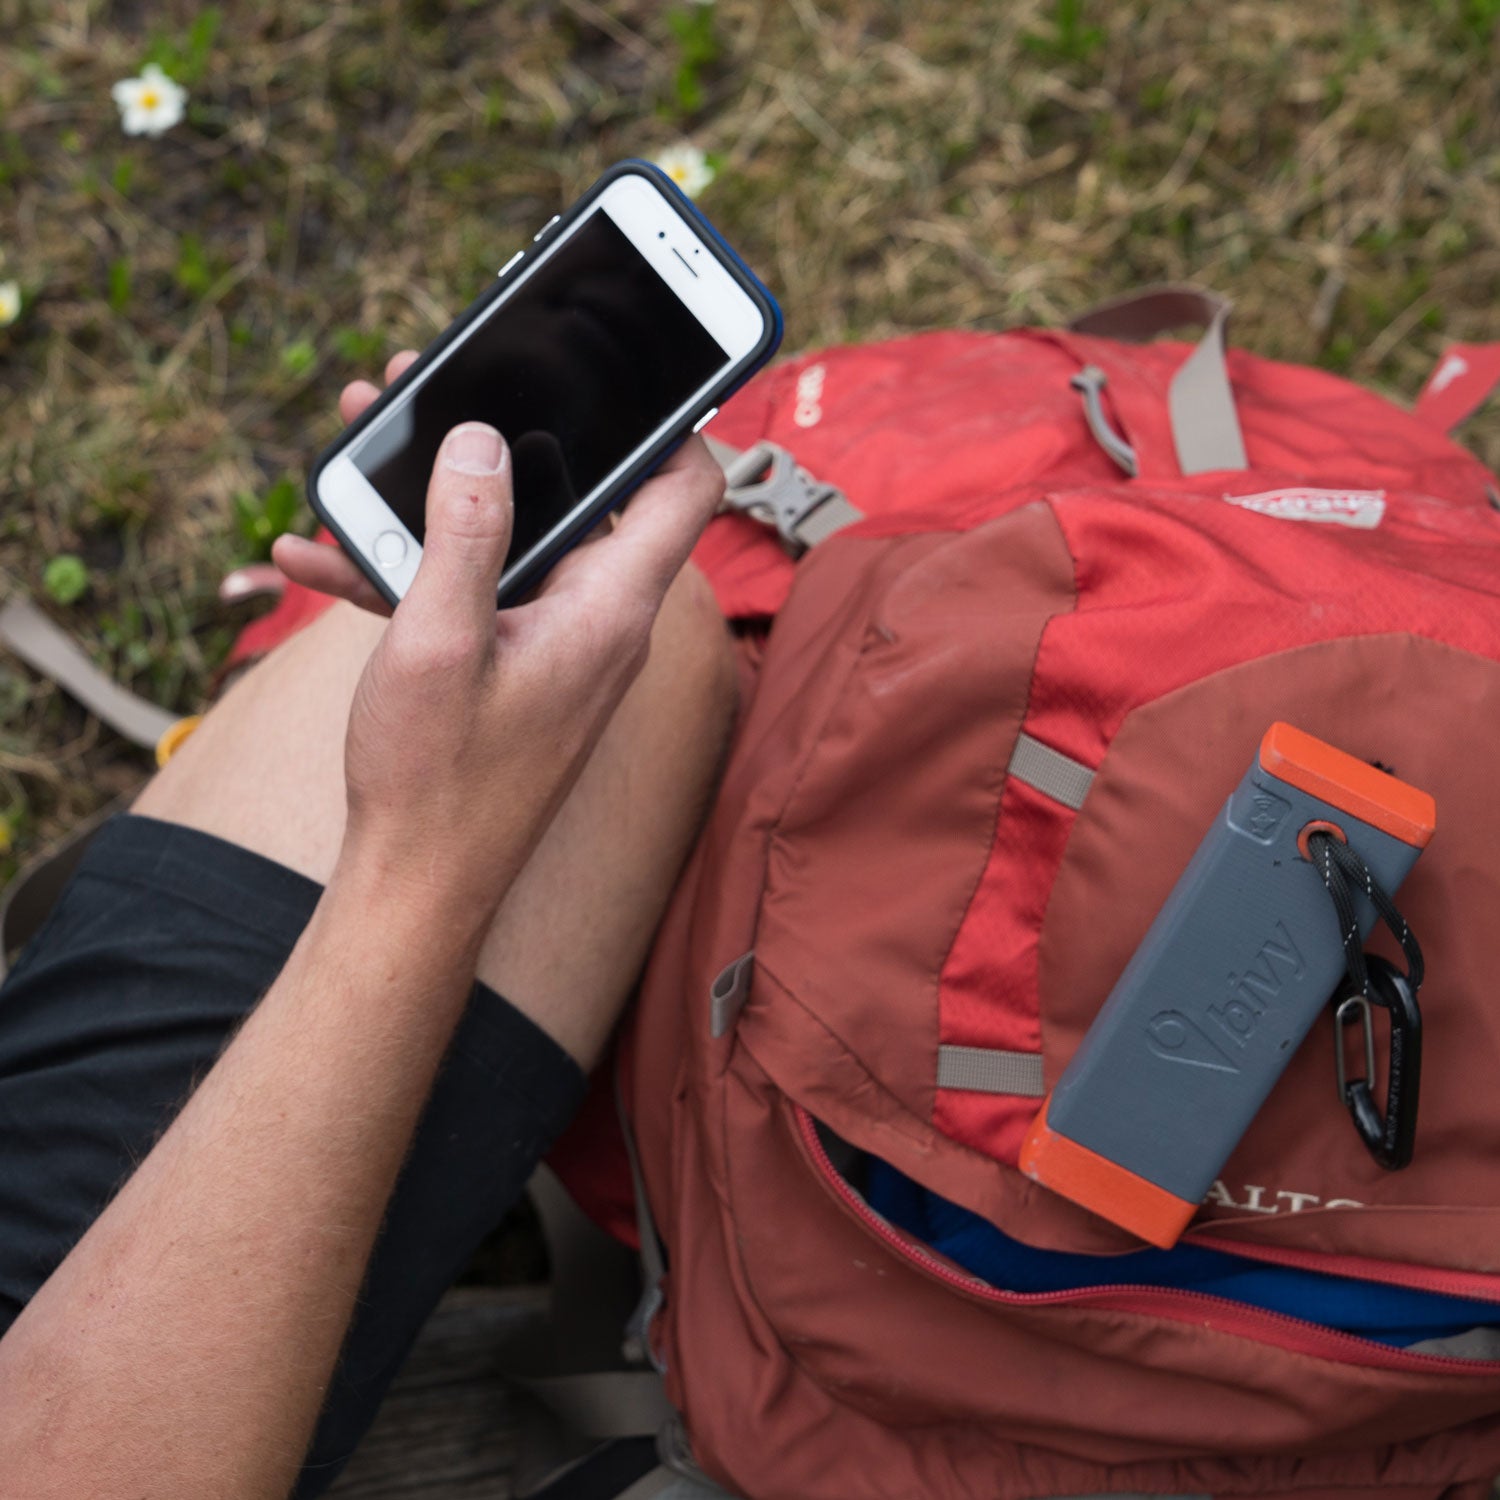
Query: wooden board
x=448, y=1429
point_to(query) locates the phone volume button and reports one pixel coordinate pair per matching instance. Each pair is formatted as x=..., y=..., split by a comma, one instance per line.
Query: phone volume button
x=705, y=419
x=508, y=264
x=545, y=227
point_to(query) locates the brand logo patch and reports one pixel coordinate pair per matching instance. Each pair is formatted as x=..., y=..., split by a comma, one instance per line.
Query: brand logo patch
x=1362, y=509
x=808, y=411
x=1264, y=1200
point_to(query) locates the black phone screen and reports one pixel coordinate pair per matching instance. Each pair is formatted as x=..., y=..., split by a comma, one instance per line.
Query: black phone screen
x=577, y=367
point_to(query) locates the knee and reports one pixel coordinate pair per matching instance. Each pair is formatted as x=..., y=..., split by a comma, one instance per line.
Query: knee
x=691, y=664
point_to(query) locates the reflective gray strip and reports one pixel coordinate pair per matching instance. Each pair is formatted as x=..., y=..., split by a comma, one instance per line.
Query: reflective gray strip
x=52, y=652
x=986, y=1070
x=1050, y=772
x=728, y=993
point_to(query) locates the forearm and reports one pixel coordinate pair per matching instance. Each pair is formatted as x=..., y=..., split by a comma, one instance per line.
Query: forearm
x=184, y=1346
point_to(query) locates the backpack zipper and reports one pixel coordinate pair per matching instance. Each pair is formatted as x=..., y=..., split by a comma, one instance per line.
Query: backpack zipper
x=1473, y=1285
x=1218, y=1313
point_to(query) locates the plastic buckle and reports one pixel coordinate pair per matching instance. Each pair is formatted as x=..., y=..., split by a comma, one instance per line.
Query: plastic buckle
x=766, y=482
x=637, y=1349
x=1391, y=1137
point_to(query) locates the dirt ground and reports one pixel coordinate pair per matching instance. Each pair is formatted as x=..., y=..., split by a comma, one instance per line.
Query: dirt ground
x=349, y=174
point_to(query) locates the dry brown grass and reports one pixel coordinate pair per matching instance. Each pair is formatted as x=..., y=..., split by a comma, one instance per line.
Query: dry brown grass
x=351, y=173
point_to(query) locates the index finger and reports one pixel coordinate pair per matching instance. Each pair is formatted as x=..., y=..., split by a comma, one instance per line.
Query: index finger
x=653, y=534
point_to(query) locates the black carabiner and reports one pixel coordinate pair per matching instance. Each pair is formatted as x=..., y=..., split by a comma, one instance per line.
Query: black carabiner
x=1391, y=1137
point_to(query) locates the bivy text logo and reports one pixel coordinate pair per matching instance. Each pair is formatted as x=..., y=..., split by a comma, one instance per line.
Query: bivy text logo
x=1222, y=1031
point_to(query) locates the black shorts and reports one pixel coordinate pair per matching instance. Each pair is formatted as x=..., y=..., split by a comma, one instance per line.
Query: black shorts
x=162, y=942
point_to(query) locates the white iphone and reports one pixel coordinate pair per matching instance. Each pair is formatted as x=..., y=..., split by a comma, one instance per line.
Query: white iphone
x=595, y=353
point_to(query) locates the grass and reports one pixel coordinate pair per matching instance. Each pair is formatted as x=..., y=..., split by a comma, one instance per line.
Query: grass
x=348, y=175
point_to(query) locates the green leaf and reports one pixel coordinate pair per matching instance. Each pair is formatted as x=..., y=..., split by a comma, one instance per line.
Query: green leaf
x=194, y=274
x=200, y=43
x=65, y=579
x=1070, y=41
x=358, y=346
x=119, y=284
x=185, y=61
x=261, y=519
x=299, y=357
x=281, y=504
x=697, y=49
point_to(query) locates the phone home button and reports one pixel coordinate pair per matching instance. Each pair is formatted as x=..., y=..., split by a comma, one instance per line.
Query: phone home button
x=390, y=549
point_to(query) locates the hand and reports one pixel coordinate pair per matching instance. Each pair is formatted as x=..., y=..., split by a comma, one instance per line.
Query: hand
x=470, y=724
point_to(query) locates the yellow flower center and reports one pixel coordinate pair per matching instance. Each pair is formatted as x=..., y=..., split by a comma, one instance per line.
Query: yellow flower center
x=150, y=99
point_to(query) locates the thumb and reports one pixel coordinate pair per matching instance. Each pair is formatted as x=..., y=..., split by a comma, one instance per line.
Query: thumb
x=469, y=514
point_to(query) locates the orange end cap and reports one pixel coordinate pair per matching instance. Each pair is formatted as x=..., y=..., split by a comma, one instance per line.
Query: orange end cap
x=1103, y=1187
x=1351, y=785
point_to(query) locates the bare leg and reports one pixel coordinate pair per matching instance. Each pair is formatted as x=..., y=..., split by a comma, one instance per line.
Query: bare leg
x=265, y=771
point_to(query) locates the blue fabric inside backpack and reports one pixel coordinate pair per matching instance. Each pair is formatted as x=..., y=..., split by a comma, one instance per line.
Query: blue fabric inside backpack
x=1369, y=1309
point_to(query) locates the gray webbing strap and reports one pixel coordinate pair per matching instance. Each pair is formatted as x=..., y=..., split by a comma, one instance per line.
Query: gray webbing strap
x=48, y=649
x=1205, y=425
x=604, y=1404
x=728, y=993
x=1050, y=772
x=766, y=482
x=988, y=1070
x=653, y=1261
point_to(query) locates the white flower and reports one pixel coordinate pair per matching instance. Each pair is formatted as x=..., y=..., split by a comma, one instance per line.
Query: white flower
x=149, y=104
x=10, y=303
x=687, y=166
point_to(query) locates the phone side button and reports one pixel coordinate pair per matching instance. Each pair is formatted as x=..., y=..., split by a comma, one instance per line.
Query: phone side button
x=545, y=227
x=390, y=549
x=508, y=264
x=705, y=419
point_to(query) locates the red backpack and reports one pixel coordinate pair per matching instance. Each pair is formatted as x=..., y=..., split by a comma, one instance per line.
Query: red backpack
x=1064, y=584
x=992, y=720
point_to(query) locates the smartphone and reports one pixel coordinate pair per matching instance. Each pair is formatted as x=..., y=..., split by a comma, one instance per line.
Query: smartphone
x=595, y=352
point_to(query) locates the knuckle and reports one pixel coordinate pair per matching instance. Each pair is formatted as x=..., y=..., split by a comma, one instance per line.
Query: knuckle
x=629, y=628
x=609, y=639
x=435, y=650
